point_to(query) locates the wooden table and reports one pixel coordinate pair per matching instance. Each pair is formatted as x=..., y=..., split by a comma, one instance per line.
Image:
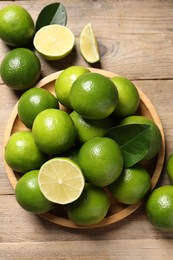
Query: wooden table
x=135, y=40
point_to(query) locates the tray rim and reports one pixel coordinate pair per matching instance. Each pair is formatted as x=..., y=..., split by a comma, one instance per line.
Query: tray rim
x=127, y=210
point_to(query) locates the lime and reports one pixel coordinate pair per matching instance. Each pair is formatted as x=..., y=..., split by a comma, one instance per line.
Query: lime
x=131, y=186
x=88, y=129
x=93, y=96
x=32, y=102
x=101, y=161
x=16, y=25
x=88, y=44
x=54, y=131
x=61, y=180
x=21, y=152
x=64, y=83
x=156, y=140
x=170, y=167
x=54, y=41
x=128, y=97
x=159, y=207
x=29, y=196
x=20, y=69
x=91, y=207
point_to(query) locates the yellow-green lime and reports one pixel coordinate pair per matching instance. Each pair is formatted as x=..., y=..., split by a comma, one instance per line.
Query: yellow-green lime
x=88, y=129
x=20, y=69
x=131, y=186
x=54, y=41
x=93, y=96
x=65, y=81
x=29, y=195
x=61, y=180
x=88, y=44
x=169, y=167
x=159, y=208
x=156, y=140
x=32, y=102
x=128, y=97
x=16, y=25
x=101, y=161
x=54, y=131
x=91, y=207
x=22, y=153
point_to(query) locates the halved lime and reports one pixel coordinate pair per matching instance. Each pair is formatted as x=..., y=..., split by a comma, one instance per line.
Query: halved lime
x=54, y=41
x=61, y=180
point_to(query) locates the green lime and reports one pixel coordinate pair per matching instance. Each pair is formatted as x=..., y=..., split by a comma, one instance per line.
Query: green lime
x=101, y=161
x=54, y=131
x=64, y=83
x=131, y=186
x=21, y=152
x=29, y=195
x=16, y=25
x=20, y=69
x=32, y=102
x=159, y=208
x=170, y=167
x=91, y=207
x=88, y=129
x=93, y=96
x=128, y=97
x=156, y=140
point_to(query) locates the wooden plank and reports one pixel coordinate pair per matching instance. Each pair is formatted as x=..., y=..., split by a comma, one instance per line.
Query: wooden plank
x=90, y=249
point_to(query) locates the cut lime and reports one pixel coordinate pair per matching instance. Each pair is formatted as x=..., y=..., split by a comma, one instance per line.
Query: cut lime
x=61, y=180
x=54, y=42
x=88, y=44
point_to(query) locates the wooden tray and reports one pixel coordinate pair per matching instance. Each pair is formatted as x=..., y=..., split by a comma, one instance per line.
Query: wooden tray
x=117, y=210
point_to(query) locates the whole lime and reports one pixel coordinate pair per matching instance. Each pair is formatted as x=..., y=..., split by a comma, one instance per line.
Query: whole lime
x=32, y=102
x=20, y=69
x=131, y=186
x=90, y=208
x=54, y=131
x=101, y=161
x=169, y=167
x=22, y=153
x=128, y=95
x=159, y=207
x=65, y=81
x=16, y=25
x=88, y=129
x=93, y=96
x=29, y=195
x=156, y=139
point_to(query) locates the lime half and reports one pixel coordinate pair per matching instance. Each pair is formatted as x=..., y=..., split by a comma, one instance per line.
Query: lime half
x=54, y=42
x=61, y=180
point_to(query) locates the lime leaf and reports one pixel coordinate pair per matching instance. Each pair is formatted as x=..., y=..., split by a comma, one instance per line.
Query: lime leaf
x=54, y=13
x=134, y=141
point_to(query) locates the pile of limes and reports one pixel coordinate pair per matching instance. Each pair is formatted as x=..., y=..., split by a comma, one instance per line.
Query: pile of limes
x=66, y=157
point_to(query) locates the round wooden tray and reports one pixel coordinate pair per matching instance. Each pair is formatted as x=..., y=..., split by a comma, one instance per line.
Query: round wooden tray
x=117, y=210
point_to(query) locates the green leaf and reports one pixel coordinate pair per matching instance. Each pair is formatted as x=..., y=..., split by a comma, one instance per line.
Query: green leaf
x=134, y=141
x=54, y=13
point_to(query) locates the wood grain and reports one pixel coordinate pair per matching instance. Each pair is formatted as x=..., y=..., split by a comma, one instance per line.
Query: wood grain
x=135, y=40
